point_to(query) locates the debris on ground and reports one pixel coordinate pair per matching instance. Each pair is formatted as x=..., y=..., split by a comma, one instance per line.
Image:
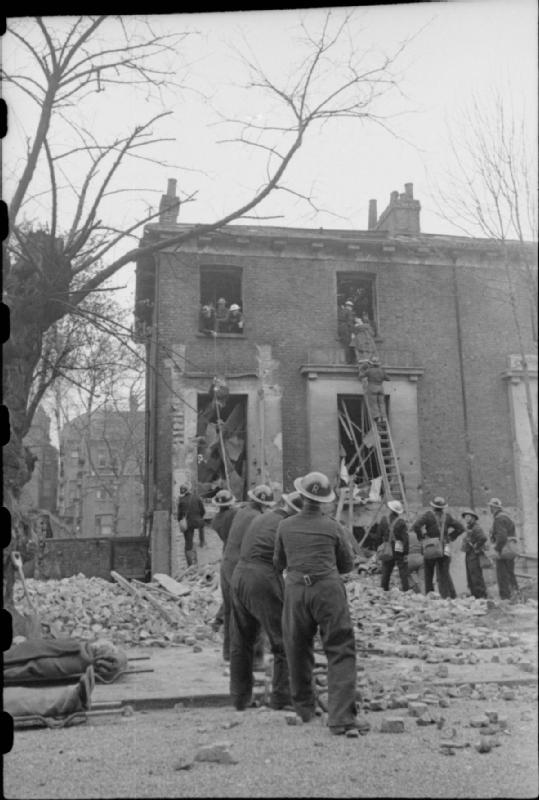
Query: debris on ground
x=146, y=613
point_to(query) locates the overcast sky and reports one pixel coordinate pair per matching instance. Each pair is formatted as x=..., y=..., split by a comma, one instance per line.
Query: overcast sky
x=458, y=50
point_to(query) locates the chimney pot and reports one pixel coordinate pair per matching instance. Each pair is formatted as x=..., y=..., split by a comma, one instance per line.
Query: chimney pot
x=171, y=187
x=393, y=197
x=373, y=214
x=409, y=190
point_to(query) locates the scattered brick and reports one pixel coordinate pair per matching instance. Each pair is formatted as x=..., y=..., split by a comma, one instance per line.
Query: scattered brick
x=416, y=709
x=219, y=752
x=392, y=725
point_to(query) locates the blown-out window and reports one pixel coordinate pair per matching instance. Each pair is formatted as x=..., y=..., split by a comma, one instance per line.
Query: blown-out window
x=221, y=301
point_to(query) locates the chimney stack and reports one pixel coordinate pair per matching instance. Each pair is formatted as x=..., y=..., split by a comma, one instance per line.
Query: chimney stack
x=402, y=213
x=373, y=215
x=170, y=205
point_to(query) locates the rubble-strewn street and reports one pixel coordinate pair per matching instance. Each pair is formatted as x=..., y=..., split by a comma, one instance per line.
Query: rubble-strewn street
x=152, y=755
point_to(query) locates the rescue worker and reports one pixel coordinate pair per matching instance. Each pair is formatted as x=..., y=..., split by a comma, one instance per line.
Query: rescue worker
x=257, y=592
x=190, y=516
x=363, y=342
x=438, y=524
x=235, y=319
x=416, y=563
x=375, y=375
x=472, y=546
x=395, y=530
x=225, y=502
x=311, y=546
x=221, y=315
x=206, y=320
x=345, y=328
x=503, y=528
x=260, y=499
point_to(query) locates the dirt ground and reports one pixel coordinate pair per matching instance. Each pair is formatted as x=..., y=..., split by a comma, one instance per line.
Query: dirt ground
x=138, y=756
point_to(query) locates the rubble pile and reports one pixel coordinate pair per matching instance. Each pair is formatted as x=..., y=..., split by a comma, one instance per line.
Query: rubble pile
x=418, y=626
x=90, y=608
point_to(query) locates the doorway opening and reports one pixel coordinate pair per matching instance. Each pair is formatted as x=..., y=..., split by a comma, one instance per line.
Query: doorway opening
x=356, y=440
x=222, y=442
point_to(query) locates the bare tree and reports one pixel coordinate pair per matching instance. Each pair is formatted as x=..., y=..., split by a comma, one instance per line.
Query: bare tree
x=52, y=269
x=491, y=189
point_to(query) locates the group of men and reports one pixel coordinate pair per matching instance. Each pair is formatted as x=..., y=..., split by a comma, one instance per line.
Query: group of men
x=220, y=318
x=355, y=334
x=433, y=531
x=281, y=584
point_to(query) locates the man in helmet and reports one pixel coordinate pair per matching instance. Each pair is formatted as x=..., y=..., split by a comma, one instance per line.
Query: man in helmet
x=235, y=319
x=503, y=529
x=395, y=531
x=226, y=510
x=312, y=548
x=436, y=528
x=257, y=604
x=375, y=375
x=260, y=500
x=190, y=516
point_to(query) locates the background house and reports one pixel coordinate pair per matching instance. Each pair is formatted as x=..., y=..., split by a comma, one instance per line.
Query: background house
x=453, y=318
x=101, y=473
x=40, y=491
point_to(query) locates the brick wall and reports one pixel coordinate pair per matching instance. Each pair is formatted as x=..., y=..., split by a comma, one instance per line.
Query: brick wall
x=289, y=302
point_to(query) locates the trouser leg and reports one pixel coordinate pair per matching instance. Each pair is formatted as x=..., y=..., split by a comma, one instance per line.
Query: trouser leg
x=387, y=569
x=474, y=576
x=330, y=609
x=225, y=591
x=503, y=576
x=266, y=604
x=243, y=631
x=512, y=577
x=445, y=582
x=403, y=573
x=413, y=581
x=188, y=536
x=299, y=629
x=381, y=406
x=201, y=537
x=429, y=574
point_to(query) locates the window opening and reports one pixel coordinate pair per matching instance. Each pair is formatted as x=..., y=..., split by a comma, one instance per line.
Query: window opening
x=221, y=304
x=103, y=524
x=221, y=437
x=360, y=290
x=356, y=441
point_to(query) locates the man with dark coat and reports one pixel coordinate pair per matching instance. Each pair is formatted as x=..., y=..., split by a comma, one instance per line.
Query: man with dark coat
x=260, y=499
x=375, y=375
x=395, y=530
x=190, y=516
x=438, y=524
x=345, y=329
x=313, y=549
x=257, y=603
x=503, y=528
x=473, y=546
x=226, y=510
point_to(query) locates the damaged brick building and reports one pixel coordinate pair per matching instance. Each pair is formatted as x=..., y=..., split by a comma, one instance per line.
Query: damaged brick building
x=443, y=311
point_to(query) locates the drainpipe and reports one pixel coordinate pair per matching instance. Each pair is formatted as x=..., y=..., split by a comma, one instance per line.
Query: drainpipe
x=262, y=434
x=467, y=443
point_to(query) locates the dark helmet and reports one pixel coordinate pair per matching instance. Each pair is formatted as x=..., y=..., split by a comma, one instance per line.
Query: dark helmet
x=315, y=486
x=262, y=494
x=469, y=513
x=224, y=498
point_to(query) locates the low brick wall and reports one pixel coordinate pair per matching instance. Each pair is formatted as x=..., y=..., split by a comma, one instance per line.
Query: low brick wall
x=94, y=557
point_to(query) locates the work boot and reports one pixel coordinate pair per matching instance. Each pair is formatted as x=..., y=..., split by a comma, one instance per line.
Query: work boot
x=360, y=725
x=191, y=556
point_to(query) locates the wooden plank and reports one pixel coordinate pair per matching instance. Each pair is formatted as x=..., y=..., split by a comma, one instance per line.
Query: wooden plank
x=141, y=594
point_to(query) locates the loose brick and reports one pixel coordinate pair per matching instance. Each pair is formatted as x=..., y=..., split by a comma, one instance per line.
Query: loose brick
x=392, y=725
x=218, y=752
x=416, y=709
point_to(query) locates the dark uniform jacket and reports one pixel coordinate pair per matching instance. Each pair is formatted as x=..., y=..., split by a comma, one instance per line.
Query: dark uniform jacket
x=258, y=543
x=222, y=521
x=400, y=533
x=191, y=507
x=502, y=529
x=240, y=523
x=432, y=523
x=375, y=376
x=311, y=543
x=475, y=539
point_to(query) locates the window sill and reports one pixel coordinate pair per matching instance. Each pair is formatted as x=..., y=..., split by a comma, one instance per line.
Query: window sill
x=221, y=336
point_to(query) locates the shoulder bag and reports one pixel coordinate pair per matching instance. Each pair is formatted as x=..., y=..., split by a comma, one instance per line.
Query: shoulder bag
x=509, y=550
x=385, y=551
x=434, y=548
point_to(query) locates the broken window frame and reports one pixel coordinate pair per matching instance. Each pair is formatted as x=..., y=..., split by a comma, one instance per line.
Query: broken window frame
x=345, y=290
x=212, y=286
